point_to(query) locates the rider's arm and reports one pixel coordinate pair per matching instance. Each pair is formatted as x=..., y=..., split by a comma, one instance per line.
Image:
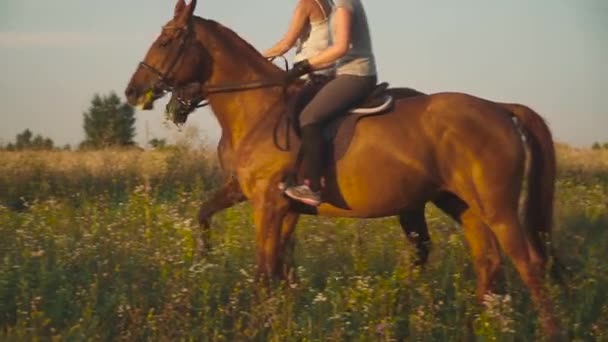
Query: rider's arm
x=341, y=39
x=298, y=22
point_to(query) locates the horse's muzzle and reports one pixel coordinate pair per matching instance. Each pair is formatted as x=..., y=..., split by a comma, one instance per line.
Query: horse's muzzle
x=132, y=95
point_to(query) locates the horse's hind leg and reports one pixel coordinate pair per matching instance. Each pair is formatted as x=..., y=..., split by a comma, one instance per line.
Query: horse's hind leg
x=515, y=244
x=414, y=226
x=481, y=240
x=228, y=195
x=493, y=196
x=484, y=240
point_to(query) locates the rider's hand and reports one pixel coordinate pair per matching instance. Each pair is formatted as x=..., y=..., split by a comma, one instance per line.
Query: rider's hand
x=299, y=69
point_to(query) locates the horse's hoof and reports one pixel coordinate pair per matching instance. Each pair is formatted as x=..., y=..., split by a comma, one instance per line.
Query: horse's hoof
x=419, y=263
x=204, y=223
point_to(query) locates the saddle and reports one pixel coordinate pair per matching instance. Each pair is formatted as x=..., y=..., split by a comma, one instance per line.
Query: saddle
x=376, y=102
x=338, y=132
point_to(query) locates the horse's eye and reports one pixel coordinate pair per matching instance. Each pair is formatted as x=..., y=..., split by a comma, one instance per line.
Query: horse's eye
x=163, y=42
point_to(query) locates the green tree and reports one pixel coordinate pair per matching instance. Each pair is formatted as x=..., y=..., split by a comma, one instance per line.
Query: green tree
x=23, y=140
x=27, y=141
x=596, y=146
x=41, y=143
x=109, y=122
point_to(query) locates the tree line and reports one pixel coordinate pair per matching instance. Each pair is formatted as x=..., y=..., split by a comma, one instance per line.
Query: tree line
x=108, y=122
x=599, y=146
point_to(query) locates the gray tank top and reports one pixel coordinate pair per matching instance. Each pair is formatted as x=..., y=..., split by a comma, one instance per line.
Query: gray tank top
x=359, y=60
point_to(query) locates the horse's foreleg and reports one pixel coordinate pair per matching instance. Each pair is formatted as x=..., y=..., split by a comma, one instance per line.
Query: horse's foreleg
x=225, y=197
x=414, y=226
x=228, y=195
x=288, y=246
x=270, y=209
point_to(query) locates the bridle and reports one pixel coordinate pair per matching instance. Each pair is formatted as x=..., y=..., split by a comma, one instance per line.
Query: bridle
x=165, y=84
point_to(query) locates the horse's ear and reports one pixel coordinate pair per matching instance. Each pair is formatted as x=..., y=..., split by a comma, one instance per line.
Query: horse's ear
x=185, y=12
x=179, y=8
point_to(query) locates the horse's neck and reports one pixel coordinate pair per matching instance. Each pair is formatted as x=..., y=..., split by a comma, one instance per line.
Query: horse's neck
x=241, y=112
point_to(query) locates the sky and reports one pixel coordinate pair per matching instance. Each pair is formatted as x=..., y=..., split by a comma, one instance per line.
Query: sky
x=551, y=55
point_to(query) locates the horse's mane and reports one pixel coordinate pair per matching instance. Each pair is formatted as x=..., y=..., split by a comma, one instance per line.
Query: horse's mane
x=232, y=40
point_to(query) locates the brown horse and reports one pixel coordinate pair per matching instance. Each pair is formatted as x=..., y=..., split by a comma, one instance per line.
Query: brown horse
x=186, y=100
x=450, y=148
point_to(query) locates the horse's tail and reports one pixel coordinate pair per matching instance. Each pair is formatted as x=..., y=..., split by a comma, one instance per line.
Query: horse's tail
x=538, y=215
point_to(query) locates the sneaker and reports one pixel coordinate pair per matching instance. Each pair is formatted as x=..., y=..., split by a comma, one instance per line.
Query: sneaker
x=303, y=194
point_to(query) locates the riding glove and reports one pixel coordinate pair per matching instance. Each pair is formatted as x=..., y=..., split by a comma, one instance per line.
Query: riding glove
x=299, y=69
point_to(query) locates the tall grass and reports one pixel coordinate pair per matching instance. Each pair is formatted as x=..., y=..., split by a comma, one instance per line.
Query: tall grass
x=120, y=265
x=34, y=175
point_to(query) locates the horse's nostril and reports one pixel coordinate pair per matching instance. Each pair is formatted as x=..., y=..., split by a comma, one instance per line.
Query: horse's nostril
x=130, y=91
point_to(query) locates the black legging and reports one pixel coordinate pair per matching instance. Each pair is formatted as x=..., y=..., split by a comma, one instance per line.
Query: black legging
x=335, y=98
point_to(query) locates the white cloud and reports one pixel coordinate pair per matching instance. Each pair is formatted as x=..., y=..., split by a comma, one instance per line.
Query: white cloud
x=37, y=39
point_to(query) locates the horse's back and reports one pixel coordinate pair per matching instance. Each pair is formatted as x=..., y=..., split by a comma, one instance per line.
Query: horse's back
x=429, y=118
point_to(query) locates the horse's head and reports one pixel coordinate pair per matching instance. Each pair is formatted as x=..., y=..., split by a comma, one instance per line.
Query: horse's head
x=175, y=58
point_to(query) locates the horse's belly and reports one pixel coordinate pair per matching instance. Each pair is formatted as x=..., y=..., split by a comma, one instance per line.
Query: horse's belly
x=381, y=185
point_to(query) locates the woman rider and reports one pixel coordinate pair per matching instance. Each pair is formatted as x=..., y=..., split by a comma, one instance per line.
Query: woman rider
x=309, y=31
x=351, y=52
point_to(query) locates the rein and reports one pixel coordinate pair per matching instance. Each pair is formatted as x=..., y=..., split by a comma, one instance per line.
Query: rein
x=232, y=87
x=227, y=88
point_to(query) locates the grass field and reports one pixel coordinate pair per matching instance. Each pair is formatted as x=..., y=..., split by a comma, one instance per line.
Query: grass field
x=99, y=246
